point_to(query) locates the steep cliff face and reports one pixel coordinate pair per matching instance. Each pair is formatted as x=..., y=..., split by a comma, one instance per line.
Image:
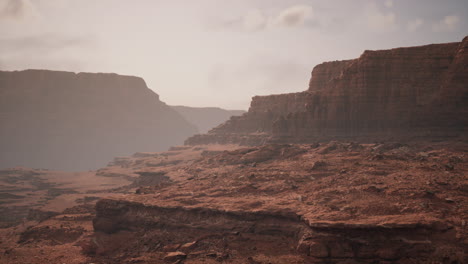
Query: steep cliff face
x=255, y=126
x=69, y=121
x=324, y=73
x=402, y=93
x=453, y=96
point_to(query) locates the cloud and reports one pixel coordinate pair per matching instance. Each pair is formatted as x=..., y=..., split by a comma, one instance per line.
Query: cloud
x=41, y=44
x=414, y=25
x=260, y=74
x=17, y=9
x=294, y=16
x=46, y=51
x=380, y=21
x=449, y=23
x=257, y=20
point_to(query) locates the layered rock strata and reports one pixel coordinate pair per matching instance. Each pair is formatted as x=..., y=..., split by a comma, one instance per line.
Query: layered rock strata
x=271, y=233
x=402, y=93
x=278, y=203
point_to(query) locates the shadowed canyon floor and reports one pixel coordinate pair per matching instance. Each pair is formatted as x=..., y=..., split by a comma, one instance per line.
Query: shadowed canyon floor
x=335, y=202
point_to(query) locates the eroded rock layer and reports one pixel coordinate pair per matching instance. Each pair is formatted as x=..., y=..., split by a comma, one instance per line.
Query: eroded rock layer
x=402, y=93
x=278, y=203
x=70, y=121
x=322, y=203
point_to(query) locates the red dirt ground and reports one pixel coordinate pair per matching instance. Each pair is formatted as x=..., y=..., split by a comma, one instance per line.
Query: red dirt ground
x=335, y=202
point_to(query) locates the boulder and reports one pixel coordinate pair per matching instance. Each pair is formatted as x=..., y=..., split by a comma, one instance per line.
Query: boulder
x=174, y=256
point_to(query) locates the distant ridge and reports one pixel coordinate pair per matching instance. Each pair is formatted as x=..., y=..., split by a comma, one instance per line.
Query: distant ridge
x=80, y=121
x=206, y=118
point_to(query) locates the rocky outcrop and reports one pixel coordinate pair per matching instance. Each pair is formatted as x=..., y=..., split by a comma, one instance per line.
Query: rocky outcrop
x=334, y=202
x=324, y=73
x=206, y=118
x=255, y=126
x=415, y=240
x=318, y=203
x=402, y=93
x=80, y=121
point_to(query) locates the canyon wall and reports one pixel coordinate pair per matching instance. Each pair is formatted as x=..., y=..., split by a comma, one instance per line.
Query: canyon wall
x=69, y=121
x=402, y=93
x=256, y=126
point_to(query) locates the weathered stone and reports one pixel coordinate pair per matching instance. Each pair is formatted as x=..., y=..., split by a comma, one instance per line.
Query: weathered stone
x=105, y=225
x=171, y=247
x=399, y=93
x=318, y=250
x=303, y=247
x=366, y=252
x=188, y=246
x=174, y=256
x=389, y=253
x=341, y=249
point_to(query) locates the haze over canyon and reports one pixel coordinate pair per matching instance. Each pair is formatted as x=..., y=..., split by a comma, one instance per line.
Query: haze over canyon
x=123, y=135
x=80, y=121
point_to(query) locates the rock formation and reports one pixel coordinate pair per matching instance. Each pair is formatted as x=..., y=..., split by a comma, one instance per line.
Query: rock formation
x=321, y=203
x=69, y=121
x=289, y=203
x=206, y=118
x=340, y=202
x=402, y=93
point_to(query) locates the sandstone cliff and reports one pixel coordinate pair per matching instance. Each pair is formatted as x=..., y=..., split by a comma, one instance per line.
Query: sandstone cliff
x=206, y=118
x=69, y=121
x=402, y=93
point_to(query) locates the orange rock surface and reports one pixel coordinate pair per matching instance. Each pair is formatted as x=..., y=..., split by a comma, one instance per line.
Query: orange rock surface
x=333, y=202
x=398, y=94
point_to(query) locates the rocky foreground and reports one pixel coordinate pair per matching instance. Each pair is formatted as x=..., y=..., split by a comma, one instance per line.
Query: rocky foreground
x=335, y=202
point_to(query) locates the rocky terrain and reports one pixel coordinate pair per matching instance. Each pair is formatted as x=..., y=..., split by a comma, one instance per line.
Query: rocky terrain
x=26, y=193
x=206, y=118
x=43, y=212
x=333, y=202
x=400, y=94
x=80, y=121
x=369, y=166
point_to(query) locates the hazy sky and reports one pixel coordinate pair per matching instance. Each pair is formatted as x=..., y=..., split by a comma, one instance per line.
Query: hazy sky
x=214, y=52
